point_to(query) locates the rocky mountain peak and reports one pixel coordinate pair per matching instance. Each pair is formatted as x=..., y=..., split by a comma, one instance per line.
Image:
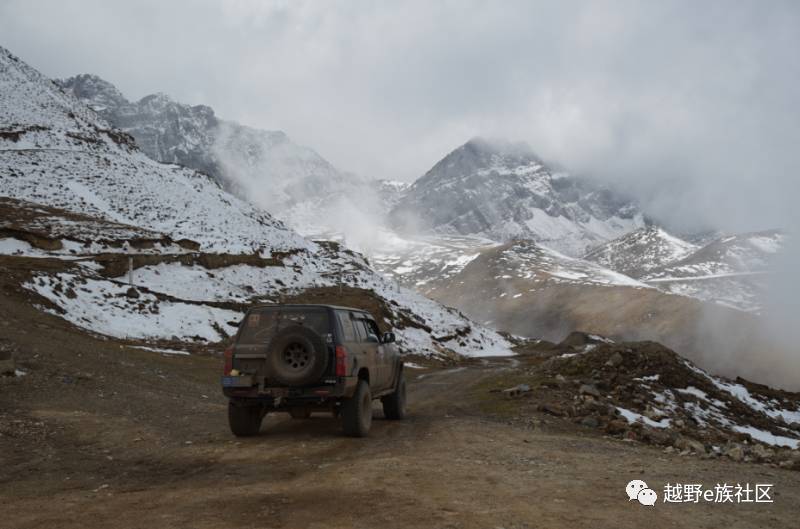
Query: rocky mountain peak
x=94, y=90
x=481, y=156
x=502, y=191
x=161, y=103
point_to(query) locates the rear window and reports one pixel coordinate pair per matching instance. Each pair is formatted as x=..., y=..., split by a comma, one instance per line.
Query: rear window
x=261, y=325
x=347, y=326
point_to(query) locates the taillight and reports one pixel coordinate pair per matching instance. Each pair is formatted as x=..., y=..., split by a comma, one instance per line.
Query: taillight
x=341, y=361
x=228, y=361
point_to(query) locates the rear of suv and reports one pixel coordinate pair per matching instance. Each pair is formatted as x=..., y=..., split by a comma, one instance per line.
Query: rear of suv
x=306, y=358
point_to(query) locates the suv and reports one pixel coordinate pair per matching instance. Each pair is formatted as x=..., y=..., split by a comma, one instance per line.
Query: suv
x=304, y=358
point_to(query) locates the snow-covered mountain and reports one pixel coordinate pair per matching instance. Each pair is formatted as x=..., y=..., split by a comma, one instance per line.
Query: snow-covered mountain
x=82, y=194
x=57, y=152
x=264, y=167
x=503, y=191
x=731, y=270
x=165, y=130
x=745, y=253
x=641, y=251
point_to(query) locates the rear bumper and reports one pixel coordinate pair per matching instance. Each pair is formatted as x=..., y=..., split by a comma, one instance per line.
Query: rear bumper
x=246, y=388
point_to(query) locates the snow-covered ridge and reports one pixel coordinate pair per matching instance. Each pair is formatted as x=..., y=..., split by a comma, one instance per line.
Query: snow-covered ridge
x=731, y=270
x=730, y=254
x=641, y=251
x=66, y=156
x=419, y=261
x=527, y=260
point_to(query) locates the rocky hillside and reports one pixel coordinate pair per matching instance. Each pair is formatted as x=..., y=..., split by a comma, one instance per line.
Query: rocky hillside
x=82, y=199
x=503, y=191
x=643, y=391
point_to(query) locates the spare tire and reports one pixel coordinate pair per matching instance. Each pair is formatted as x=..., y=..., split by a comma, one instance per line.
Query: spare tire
x=296, y=356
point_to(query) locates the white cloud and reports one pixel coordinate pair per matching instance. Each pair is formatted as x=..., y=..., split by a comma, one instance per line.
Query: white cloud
x=693, y=106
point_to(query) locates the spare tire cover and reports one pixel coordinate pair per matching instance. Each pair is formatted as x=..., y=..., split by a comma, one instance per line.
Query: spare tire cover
x=297, y=355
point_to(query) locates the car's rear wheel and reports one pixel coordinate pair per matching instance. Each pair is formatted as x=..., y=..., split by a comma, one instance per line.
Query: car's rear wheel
x=394, y=405
x=244, y=420
x=357, y=411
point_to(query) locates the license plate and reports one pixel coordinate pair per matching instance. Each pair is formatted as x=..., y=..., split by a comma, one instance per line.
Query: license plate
x=237, y=382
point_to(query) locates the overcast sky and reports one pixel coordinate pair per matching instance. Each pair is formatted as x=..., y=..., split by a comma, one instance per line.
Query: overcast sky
x=694, y=106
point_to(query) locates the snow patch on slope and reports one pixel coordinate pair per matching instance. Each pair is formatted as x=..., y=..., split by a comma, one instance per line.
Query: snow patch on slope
x=103, y=307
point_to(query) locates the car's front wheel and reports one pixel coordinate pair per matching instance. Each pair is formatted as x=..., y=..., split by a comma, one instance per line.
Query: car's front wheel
x=357, y=411
x=244, y=420
x=394, y=405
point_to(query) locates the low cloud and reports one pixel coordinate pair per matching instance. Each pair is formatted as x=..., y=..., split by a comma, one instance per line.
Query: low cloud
x=692, y=106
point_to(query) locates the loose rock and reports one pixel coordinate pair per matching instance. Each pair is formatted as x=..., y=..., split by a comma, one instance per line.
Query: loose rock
x=589, y=389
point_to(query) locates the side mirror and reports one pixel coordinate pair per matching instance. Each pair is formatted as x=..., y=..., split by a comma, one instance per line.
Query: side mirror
x=388, y=337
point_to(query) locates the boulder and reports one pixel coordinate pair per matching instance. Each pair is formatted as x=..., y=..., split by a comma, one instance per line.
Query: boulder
x=589, y=389
x=599, y=408
x=659, y=436
x=615, y=360
x=590, y=422
x=735, y=453
x=616, y=427
x=762, y=453
x=692, y=445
